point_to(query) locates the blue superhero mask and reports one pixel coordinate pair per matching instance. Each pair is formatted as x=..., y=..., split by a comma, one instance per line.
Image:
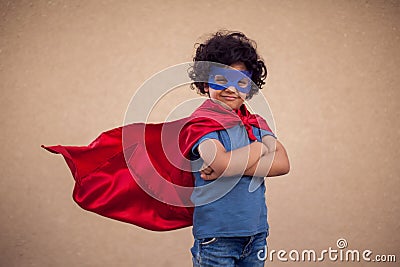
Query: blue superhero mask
x=222, y=78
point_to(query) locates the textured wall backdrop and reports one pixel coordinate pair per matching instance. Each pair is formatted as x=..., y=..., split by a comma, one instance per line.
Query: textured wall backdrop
x=69, y=68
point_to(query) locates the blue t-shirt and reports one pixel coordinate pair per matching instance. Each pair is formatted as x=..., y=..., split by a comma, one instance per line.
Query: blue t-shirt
x=228, y=206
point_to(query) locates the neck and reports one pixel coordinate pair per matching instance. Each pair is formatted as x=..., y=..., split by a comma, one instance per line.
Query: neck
x=225, y=105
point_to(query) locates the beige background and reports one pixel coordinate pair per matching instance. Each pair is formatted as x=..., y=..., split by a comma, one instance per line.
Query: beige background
x=69, y=68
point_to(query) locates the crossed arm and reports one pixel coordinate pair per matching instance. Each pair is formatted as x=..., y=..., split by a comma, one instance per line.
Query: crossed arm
x=266, y=158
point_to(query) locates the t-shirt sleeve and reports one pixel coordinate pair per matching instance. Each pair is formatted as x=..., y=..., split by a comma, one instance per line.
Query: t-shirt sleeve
x=212, y=135
x=260, y=133
x=266, y=132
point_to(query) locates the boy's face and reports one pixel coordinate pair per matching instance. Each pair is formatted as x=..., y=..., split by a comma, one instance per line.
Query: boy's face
x=230, y=96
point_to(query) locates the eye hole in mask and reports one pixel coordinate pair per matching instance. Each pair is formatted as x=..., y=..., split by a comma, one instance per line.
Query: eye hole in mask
x=222, y=78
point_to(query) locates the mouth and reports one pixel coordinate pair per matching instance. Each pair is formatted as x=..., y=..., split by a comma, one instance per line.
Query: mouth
x=230, y=97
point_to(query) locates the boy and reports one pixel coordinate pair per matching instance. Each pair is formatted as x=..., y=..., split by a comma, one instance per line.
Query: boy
x=231, y=228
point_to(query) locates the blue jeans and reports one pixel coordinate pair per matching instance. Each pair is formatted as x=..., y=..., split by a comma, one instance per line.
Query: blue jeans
x=229, y=251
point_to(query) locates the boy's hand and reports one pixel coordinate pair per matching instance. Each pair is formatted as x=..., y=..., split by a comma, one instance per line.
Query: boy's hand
x=270, y=143
x=265, y=149
x=208, y=174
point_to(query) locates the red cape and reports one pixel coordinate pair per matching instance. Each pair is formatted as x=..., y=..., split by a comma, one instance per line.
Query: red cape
x=117, y=173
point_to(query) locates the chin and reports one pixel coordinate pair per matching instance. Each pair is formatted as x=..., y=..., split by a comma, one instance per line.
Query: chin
x=234, y=104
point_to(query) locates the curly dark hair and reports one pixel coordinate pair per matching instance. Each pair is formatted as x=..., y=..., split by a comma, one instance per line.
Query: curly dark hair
x=227, y=47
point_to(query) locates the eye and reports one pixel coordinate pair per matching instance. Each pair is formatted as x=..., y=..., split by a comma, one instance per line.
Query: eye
x=243, y=82
x=220, y=79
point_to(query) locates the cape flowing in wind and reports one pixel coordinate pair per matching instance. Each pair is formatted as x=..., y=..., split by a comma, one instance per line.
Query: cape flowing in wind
x=115, y=173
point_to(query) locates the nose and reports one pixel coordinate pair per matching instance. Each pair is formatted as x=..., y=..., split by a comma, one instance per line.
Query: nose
x=231, y=89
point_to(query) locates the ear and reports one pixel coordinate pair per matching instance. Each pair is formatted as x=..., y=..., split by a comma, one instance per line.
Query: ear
x=206, y=87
